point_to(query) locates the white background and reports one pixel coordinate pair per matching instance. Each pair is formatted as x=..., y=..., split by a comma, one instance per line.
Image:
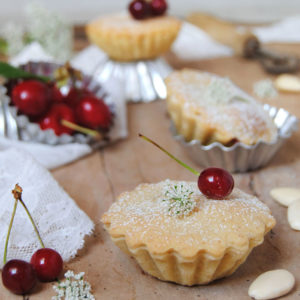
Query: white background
x=79, y=11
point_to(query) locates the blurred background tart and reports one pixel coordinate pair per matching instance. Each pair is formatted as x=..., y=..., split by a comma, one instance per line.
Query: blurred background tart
x=209, y=108
x=130, y=36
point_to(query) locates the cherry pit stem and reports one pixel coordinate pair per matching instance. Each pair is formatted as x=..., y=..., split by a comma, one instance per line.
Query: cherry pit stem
x=31, y=219
x=169, y=154
x=73, y=126
x=15, y=192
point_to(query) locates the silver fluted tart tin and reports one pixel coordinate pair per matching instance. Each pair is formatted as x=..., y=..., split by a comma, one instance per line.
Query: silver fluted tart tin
x=31, y=132
x=143, y=80
x=8, y=124
x=241, y=157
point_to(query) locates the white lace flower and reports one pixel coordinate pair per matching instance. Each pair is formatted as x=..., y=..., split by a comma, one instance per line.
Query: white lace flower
x=73, y=288
x=179, y=199
x=13, y=34
x=50, y=30
x=265, y=89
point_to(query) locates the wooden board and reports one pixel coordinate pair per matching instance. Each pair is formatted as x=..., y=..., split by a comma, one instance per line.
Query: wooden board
x=96, y=180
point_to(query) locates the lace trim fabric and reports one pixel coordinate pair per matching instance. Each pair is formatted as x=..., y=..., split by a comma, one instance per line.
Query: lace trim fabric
x=62, y=224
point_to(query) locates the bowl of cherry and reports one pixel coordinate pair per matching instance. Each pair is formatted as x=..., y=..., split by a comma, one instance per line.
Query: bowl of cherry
x=59, y=105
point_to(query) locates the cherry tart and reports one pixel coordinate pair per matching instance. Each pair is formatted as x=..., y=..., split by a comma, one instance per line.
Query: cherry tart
x=144, y=32
x=208, y=108
x=177, y=234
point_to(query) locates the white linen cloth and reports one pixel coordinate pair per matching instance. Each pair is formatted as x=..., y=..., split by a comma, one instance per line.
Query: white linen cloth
x=55, y=156
x=61, y=223
x=285, y=31
x=193, y=43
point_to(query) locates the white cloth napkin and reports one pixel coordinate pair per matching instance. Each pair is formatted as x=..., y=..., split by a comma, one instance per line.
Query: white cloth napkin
x=55, y=156
x=32, y=52
x=194, y=43
x=62, y=225
x=285, y=31
x=47, y=155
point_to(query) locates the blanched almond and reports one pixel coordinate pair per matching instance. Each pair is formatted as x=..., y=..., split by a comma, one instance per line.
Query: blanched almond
x=285, y=195
x=288, y=83
x=294, y=215
x=271, y=284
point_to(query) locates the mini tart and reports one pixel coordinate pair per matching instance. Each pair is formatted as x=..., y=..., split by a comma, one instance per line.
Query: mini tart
x=210, y=242
x=126, y=39
x=209, y=108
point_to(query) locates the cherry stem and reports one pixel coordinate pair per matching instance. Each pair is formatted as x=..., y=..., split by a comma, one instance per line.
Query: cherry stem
x=18, y=196
x=169, y=154
x=73, y=126
x=15, y=191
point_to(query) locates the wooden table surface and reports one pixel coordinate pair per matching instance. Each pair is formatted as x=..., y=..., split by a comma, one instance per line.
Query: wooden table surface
x=95, y=181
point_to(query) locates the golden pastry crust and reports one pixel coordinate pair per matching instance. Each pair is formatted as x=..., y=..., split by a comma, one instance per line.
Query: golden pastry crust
x=209, y=243
x=126, y=39
x=210, y=108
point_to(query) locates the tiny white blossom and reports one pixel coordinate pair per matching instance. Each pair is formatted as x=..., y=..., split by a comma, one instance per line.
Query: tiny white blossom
x=43, y=26
x=179, y=199
x=73, y=288
x=50, y=30
x=265, y=89
x=14, y=36
x=219, y=91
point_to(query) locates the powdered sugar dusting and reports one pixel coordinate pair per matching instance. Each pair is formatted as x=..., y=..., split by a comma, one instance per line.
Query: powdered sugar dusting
x=123, y=22
x=213, y=224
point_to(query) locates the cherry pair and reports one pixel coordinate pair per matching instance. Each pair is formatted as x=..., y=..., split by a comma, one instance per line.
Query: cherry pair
x=46, y=264
x=45, y=104
x=214, y=183
x=142, y=9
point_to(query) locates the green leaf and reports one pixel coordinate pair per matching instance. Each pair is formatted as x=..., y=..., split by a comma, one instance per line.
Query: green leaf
x=10, y=72
x=238, y=98
x=3, y=46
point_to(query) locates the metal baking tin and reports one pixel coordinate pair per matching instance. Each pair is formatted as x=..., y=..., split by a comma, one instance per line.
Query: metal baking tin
x=31, y=132
x=241, y=157
x=143, y=80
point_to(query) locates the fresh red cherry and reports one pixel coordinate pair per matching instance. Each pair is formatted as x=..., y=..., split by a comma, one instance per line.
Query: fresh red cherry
x=18, y=276
x=139, y=9
x=215, y=183
x=55, y=93
x=54, y=117
x=31, y=97
x=47, y=264
x=93, y=113
x=158, y=7
x=75, y=95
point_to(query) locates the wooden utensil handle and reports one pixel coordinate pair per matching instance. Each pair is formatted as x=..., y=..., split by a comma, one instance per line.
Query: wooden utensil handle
x=242, y=40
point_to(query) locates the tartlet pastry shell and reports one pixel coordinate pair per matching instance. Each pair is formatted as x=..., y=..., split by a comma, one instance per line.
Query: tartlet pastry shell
x=180, y=263
x=126, y=39
x=198, y=270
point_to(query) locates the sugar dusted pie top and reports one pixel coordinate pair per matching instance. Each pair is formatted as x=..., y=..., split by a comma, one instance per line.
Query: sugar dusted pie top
x=123, y=23
x=222, y=106
x=143, y=217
